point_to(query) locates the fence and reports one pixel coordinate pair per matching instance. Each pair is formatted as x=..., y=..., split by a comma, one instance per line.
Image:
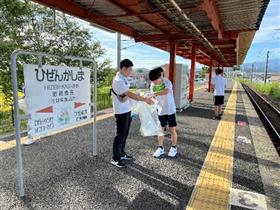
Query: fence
x=103, y=101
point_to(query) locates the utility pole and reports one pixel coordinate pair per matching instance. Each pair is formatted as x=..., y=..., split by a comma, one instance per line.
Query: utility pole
x=118, y=51
x=252, y=72
x=266, y=67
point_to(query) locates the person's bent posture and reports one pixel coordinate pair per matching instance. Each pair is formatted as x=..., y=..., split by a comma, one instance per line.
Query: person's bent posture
x=120, y=94
x=163, y=92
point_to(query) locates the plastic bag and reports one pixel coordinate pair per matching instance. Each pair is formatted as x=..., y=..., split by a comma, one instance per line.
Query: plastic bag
x=150, y=124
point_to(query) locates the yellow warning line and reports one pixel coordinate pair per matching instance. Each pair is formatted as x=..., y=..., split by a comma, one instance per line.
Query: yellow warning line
x=212, y=190
x=4, y=145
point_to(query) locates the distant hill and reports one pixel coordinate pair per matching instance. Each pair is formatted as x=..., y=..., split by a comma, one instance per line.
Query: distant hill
x=141, y=69
x=273, y=66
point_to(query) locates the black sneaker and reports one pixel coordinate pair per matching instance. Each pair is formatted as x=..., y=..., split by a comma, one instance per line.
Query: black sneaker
x=119, y=163
x=216, y=118
x=127, y=157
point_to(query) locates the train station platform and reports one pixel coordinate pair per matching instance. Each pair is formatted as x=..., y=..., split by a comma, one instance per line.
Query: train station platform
x=227, y=164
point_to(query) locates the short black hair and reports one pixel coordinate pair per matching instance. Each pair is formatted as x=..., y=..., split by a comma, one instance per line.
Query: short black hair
x=218, y=70
x=155, y=73
x=162, y=70
x=126, y=63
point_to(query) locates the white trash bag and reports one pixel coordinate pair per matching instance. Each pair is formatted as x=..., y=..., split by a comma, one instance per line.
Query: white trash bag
x=150, y=124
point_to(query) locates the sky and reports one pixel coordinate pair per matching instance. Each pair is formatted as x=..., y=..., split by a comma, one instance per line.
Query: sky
x=268, y=35
x=143, y=56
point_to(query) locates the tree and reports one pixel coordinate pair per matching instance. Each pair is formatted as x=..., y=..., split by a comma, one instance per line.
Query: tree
x=236, y=68
x=104, y=71
x=203, y=71
x=30, y=26
x=108, y=77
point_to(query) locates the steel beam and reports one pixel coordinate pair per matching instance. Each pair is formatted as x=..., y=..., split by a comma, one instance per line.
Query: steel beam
x=229, y=37
x=209, y=6
x=122, y=4
x=90, y=16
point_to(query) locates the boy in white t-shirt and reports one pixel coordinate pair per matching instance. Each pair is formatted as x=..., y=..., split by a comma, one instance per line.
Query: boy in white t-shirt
x=163, y=92
x=218, y=87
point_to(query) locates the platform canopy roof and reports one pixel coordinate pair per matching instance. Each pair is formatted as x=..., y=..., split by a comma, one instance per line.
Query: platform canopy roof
x=219, y=29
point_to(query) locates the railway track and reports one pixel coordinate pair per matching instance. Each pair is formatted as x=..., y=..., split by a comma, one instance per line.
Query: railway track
x=269, y=114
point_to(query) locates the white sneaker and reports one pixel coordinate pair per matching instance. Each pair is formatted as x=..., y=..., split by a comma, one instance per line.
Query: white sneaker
x=172, y=152
x=158, y=152
x=29, y=142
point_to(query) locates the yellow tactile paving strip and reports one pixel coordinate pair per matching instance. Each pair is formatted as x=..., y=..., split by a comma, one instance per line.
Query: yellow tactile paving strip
x=199, y=88
x=4, y=145
x=212, y=190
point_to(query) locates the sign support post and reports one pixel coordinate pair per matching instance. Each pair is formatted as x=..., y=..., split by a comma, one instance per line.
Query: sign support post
x=17, y=116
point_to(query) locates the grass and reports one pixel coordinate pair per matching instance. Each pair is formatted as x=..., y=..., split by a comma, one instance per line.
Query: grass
x=6, y=121
x=103, y=90
x=270, y=89
x=3, y=106
x=6, y=124
x=103, y=98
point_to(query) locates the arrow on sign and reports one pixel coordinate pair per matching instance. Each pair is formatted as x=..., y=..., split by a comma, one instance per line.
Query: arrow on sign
x=77, y=104
x=46, y=110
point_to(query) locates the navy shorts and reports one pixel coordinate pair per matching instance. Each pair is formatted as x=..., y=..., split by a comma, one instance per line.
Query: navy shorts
x=219, y=100
x=169, y=120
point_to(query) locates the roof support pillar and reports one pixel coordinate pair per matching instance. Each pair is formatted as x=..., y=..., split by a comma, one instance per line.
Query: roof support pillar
x=210, y=75
x=172, y=59
x=192, y=73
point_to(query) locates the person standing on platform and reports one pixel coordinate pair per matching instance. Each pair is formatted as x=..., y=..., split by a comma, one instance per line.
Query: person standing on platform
x=163, y=92
x=218, y=85
x=120, y=94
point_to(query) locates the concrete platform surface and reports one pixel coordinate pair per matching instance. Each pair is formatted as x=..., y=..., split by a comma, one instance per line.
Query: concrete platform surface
x=61, y=173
